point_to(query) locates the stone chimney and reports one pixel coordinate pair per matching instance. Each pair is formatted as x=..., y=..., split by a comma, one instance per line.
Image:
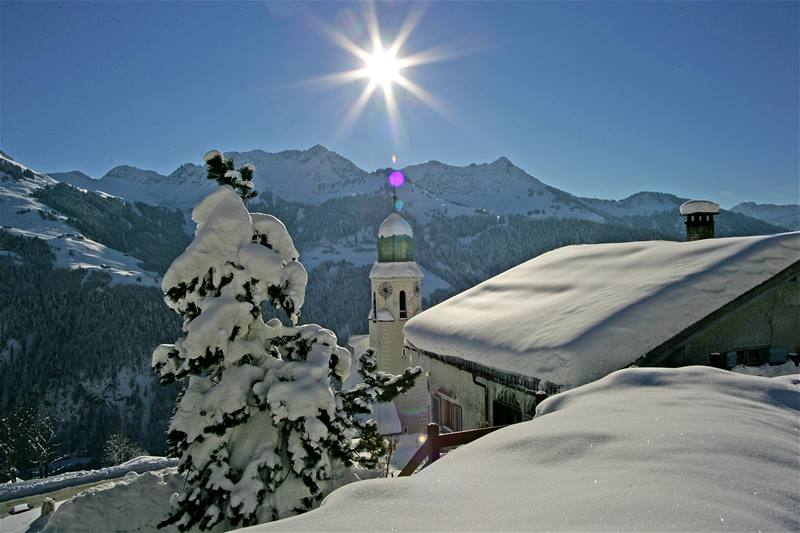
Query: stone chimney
x=699, y=217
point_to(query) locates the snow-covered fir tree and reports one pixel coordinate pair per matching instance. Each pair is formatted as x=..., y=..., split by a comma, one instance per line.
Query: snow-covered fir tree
x=263, y=426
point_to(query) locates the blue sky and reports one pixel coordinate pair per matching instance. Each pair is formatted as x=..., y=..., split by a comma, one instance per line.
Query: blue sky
x=600, y=99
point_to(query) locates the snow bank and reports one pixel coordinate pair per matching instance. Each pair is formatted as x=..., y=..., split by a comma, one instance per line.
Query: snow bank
x=137, y=502
x=575, y=314
x=22, y=489
x=690, y=449
x=769, y=371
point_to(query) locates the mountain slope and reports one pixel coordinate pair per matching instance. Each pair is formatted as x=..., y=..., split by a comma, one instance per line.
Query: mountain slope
x=787, y=216
x=499, y=187
x=641, y=203
x=22, y=212
x=182, y=188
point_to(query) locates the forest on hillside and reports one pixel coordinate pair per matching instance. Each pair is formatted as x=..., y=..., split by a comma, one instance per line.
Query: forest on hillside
x=82, y=344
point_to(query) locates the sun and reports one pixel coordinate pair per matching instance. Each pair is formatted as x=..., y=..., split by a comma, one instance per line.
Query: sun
x=382, y=67
x=385, y=67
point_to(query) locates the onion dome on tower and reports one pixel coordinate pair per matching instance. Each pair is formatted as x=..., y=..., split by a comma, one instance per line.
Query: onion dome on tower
x=395, y=240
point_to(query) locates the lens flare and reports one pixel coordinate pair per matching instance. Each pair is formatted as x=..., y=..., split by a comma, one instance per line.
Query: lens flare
x=394, y=159
x=399, y=205
x=396, y=178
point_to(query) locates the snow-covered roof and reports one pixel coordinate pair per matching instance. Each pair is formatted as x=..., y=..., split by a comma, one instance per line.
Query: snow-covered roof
x=699, y=206
x=575, y=314
x=398, y=269
x=394, y=224
x=644, y=449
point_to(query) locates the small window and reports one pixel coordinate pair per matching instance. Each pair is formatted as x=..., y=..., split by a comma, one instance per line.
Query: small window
x=403, y=308
x=446, y=413
x=436, y=409
x=752, y=356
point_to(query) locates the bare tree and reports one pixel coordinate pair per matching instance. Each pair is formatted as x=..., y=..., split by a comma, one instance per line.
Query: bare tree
x=386, y=460
x=119, y=448
x=40, y=435
x=9, y=446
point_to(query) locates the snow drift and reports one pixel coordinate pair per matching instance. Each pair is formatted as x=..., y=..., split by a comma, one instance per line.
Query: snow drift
x=136, y=502
x=31, y=487
x=694, y=448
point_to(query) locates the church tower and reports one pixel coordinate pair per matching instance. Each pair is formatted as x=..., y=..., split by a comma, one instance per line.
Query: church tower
x=396, y=282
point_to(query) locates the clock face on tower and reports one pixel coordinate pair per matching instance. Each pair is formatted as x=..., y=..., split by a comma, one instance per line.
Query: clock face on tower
x=385, y=289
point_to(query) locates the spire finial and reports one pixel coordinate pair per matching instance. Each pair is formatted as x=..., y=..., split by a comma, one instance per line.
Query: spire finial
x=396, y=179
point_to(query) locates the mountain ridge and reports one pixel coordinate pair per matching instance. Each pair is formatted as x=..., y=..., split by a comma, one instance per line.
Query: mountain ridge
x=317, y=174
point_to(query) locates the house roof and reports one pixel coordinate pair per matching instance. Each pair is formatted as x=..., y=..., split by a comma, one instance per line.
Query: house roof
x=577, y=313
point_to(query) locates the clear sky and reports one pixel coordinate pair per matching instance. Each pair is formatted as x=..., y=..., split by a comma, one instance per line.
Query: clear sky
x=600, y=99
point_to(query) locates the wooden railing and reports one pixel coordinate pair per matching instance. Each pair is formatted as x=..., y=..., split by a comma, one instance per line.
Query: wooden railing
x=431, y=448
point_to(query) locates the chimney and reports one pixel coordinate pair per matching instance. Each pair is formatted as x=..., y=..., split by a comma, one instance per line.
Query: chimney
x=699, y=216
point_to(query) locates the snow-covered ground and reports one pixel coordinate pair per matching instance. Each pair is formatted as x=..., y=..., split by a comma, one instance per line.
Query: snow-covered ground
x=135, y=502
x=785, y=369
x=22, y=489
x=689, y=449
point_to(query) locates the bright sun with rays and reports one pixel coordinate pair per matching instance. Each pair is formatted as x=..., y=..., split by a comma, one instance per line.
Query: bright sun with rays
x=384, y=67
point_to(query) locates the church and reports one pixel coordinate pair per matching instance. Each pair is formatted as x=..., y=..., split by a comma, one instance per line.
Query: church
x=396, y=297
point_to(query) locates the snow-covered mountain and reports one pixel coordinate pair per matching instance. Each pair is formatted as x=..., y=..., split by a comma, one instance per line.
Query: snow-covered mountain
x=499, y=187
x=309, y=176
x=641, y=203
x=22, y=213
x=183, y=188
x=315, y=175
x=787, y=215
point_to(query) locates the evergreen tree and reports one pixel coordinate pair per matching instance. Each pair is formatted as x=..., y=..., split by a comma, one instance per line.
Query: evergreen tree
x=263, y=426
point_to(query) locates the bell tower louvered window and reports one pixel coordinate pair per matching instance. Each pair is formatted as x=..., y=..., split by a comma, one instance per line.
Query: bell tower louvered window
x=403, y=306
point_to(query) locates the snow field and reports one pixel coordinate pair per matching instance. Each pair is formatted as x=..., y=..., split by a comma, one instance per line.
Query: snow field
x=689, y=449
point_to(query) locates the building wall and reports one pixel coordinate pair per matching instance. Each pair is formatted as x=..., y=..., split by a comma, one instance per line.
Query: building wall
x=470, y=392
x=771, y=318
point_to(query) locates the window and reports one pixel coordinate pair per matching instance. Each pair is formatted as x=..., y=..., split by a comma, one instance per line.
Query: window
x=752, y=356
x=374, y=308
x=446, y=412
x=506, y=408
x=403, y=308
